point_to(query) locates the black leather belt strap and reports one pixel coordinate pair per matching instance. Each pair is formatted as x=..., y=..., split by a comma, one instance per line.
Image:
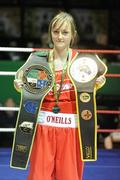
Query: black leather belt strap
x=38, y=81
x=83, y=71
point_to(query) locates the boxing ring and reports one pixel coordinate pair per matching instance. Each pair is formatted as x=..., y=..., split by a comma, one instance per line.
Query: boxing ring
x=107, y=166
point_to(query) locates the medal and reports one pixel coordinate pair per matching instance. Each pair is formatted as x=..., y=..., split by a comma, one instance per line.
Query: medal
x=56, y=109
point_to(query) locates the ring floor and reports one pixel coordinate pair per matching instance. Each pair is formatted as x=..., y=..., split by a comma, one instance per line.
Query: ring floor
x=107, y=167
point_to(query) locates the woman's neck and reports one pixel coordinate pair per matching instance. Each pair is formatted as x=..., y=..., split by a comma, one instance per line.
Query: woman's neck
x=59, y=58
x=60, y=54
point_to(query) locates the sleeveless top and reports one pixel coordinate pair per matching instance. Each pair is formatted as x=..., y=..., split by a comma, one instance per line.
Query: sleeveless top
x=67, y=99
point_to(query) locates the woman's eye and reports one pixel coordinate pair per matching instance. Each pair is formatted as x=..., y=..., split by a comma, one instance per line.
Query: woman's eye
x=56, y=32
x=65, y=32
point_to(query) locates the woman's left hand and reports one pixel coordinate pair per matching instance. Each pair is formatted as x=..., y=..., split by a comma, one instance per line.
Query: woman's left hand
x=100, y=80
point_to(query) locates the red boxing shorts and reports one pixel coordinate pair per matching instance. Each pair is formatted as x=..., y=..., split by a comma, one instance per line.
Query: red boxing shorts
x=56, y=150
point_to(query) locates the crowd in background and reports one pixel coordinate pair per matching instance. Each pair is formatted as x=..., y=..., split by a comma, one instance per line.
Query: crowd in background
x=7, y=120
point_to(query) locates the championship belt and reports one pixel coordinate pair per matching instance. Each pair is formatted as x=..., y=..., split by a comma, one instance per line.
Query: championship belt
x=38, y=81
x=83, y=71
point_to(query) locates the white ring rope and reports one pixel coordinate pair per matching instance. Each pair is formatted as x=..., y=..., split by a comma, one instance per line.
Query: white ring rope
x=7, y=73
x=9, y=108
x=7, y=129
x=16, y=49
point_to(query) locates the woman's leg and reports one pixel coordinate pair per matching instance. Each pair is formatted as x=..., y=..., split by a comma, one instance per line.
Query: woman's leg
x=69, y=165
x=43, y=154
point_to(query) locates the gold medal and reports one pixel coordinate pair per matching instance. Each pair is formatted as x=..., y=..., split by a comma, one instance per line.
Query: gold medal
x=56, y=109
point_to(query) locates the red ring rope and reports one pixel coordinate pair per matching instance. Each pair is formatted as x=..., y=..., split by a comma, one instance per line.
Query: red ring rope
x=108, y=112
x=108, y=130
x=97, y=51
x=112, y=75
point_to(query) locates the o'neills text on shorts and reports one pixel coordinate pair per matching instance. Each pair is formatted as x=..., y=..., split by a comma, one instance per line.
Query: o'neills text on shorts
x=57, y=120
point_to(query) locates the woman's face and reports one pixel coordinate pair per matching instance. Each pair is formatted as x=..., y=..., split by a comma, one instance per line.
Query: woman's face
x=61, y=36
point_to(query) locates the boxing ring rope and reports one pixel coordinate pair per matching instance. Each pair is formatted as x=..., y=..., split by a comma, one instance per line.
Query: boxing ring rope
x=7, y=73
x=97, y=51
x=10, y=73
x=19, y=49
x=9, y=108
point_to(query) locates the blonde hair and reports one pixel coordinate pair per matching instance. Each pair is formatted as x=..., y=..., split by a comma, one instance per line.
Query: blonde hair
x=59, y=20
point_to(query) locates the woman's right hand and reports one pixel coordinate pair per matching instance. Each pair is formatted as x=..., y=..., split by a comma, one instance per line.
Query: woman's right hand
x=18, y=83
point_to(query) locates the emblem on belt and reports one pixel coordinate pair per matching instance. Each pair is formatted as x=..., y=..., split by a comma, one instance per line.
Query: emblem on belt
x=84, y=69
x=86, y=114
x=37, y=79
x=84, y=97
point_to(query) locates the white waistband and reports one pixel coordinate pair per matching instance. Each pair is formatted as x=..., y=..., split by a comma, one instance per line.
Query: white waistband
x=57, y=120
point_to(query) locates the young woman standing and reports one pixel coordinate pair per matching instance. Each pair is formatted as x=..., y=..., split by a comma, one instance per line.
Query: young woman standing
x=56, y=149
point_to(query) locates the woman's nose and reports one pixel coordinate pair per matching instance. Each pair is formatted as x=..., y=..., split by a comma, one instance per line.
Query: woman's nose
x=60, y=35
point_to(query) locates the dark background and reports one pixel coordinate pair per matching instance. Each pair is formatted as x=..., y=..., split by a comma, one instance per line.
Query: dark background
x=21, y=21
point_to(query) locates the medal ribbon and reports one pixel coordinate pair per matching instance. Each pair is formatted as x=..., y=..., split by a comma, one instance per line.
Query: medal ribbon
x=57, y=93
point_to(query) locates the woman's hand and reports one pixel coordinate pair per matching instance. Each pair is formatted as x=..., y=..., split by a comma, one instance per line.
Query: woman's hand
x=18, y=83
x=100, y=81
